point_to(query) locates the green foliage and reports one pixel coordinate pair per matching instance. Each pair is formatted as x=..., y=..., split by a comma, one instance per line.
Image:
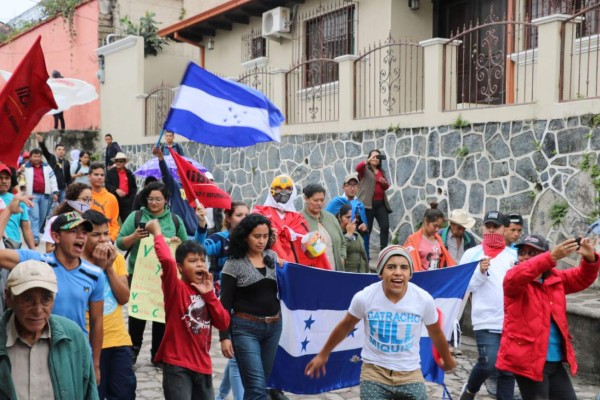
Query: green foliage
x=558, y=212
x=462, y=152
x=460, y=122
x=64, y=8
x=532, y=194
x=394, y=128
x=538, y=145
x=585, y=162
x=595, y=121
x=589, y=135
x=182, y=13
x=148, y=29
x=594, y=215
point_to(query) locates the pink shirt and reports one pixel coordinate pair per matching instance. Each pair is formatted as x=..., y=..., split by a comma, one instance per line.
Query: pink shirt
x=426, y=249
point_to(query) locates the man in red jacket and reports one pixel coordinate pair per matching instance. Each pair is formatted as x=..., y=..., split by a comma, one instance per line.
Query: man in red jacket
x=535, y=339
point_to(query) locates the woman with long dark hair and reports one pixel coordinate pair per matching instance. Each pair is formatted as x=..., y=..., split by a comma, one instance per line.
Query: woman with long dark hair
x=80, y=170
x=373, y=184
x=249, y=292
x=426, y=246
x=356, y=255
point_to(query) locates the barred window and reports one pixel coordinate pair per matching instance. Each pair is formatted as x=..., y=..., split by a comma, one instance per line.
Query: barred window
x=253, y=45
x=328, y=36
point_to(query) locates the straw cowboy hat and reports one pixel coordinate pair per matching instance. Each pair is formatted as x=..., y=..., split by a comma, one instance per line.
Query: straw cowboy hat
x=462, y=218
x=120, y=156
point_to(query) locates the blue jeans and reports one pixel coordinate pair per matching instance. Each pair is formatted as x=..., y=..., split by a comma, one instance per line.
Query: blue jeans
x=487, y=346
x=39, y=212
x=117, y=379
x=255, y=345
x=231, y=380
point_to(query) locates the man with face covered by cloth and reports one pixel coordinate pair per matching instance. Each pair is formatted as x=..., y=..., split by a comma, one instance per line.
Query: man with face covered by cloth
x=289, y=225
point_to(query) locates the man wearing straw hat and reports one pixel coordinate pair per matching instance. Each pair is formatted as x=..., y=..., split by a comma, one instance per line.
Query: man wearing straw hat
x=455, y=236
x=121, y=183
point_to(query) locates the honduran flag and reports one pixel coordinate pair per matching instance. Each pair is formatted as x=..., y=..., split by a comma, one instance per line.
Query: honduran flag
x=214, y=111
x=313, y=301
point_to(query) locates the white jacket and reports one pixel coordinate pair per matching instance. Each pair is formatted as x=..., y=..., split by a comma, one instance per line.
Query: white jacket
x=50, y=185
x=487, y=304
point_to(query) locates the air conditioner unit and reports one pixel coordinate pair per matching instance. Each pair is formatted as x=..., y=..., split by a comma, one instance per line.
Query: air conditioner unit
x=276, y=22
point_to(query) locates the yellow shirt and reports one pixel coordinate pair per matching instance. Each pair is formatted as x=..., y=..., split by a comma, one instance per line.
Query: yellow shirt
x=107, y=204
x=115, y=332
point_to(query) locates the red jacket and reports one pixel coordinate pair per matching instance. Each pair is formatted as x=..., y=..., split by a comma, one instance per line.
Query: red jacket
x=412, y=244
x=528, y=306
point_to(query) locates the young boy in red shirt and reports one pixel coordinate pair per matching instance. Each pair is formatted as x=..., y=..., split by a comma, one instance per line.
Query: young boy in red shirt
x=191, y=308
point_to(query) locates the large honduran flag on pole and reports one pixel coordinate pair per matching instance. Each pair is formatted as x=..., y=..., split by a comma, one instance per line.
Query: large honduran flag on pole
x=218, y=112
x=313, y=301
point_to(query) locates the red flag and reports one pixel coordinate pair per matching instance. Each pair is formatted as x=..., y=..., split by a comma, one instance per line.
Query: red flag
x=197, y=186
x=24, y=100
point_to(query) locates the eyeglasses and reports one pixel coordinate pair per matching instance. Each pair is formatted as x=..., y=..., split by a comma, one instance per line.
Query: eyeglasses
x=155, y=199
x=530, y=253
x=85, y=199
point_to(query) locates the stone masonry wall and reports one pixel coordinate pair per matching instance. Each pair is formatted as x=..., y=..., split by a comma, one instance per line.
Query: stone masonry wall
x=521, y=166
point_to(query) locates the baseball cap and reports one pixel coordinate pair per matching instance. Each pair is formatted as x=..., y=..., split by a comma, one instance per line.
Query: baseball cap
x=26, y=154
x=351, y=176
x=70, y=220
x=515, y=219
x=535, y=241
x=495, y=217
x=31, y=274
x=5, y=168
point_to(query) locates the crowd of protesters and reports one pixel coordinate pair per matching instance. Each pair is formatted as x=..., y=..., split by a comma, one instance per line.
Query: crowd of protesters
x=93, y=218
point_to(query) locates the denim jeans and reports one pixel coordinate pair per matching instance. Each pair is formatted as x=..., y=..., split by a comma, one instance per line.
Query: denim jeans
x=487, y=346
x=117, y=379
x=555, y=386
x=39, y=212
x=181, y=383
x=255, y=345
x=231, y=380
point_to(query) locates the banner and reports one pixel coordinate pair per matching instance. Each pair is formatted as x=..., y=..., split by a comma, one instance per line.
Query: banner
x=197, y=186
x=24, y=100
x=146, y=300
x=309, y=319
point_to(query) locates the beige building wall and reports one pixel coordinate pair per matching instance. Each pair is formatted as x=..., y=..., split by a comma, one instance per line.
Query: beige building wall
x=121, y=106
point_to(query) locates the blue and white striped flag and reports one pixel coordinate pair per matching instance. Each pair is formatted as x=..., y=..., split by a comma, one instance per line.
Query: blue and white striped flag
x=218, y=112
x=313, y=301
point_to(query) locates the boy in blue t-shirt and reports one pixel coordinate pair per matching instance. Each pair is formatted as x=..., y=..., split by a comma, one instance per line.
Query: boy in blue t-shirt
x=80, y=284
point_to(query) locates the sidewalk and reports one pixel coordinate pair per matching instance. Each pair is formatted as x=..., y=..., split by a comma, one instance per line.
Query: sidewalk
x=150, y=378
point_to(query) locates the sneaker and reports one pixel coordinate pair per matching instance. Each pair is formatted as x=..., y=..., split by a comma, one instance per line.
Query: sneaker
x=465, y=394
x=455, y=351
x=491, y=384
x=276, y=394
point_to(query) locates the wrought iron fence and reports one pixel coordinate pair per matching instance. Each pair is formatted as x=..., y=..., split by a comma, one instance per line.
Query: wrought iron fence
x=158, y=102
x=580, y=55
x=312, y=93
x=388, y=80
x=489, y=65
x=259, y=79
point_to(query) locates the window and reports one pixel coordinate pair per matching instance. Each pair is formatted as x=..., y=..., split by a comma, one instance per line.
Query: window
x=327, y=37
x=253, y=46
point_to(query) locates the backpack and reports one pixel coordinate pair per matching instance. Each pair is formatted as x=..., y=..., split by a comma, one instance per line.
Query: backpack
x=78, y=168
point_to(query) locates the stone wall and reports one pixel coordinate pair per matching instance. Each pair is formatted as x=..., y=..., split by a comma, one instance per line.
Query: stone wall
x=521, y=166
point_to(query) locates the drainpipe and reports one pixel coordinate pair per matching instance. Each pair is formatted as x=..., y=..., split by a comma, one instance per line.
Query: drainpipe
x=177, y=36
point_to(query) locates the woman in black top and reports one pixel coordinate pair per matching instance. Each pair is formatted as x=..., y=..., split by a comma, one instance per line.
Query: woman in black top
x=249, y=292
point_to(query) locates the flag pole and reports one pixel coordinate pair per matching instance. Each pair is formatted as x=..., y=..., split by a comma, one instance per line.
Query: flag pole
x=162, y=132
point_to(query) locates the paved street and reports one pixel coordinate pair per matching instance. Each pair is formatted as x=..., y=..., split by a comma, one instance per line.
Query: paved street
x=150, y=378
